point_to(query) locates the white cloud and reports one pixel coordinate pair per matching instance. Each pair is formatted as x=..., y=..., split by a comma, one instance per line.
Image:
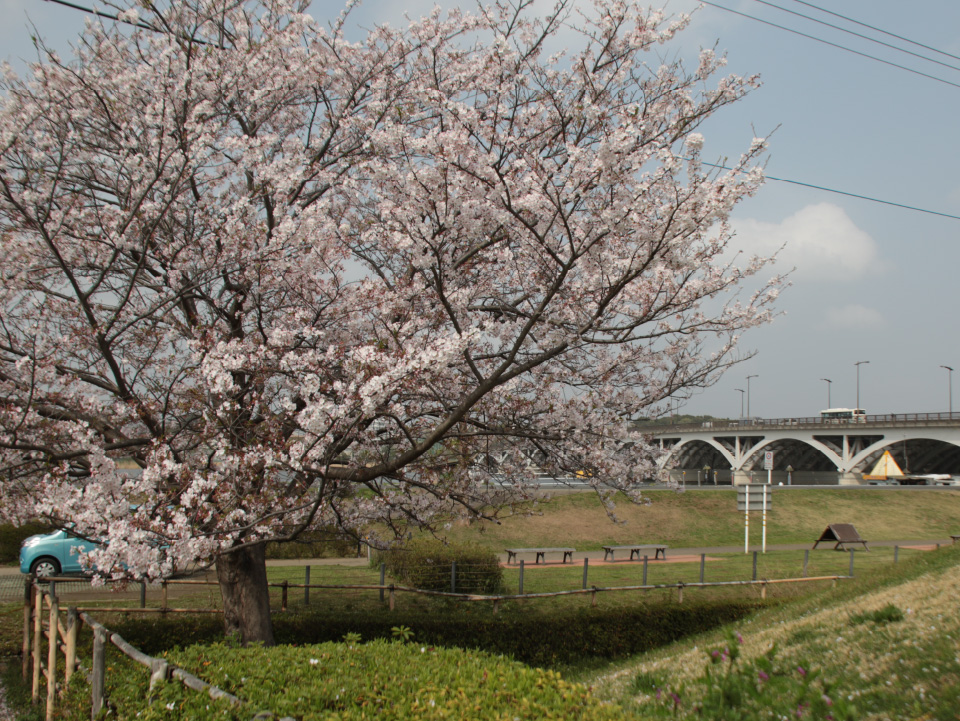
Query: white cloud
x=820, y=241
x=854, y=317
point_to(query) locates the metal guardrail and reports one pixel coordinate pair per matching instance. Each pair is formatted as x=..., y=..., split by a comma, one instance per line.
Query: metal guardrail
x=882, y=419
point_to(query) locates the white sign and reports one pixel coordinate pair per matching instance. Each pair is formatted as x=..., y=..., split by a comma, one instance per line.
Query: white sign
x=768, y=461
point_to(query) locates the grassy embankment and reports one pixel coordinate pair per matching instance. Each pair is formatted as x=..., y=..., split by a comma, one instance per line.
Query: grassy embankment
x=710, y=518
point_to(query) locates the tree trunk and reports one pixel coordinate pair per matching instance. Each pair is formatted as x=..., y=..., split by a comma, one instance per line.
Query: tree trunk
x=246, y=597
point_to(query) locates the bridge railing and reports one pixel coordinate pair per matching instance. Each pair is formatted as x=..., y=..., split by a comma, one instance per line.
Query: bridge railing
x=876, y=419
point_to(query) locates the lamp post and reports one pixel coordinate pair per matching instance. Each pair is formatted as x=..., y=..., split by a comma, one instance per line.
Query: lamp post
x=858, y=364
x=829, y=405
x=949, y=386
x=741, y=401
x=748, y=393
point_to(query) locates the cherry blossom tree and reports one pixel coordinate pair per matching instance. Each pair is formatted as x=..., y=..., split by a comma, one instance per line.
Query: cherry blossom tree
x=303, y=282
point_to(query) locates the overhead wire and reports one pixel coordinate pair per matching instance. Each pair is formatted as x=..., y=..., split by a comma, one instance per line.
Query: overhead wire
x=856, y=34
x=831, y=44
x=846, y=193
x=879, y=30
x=714, y=165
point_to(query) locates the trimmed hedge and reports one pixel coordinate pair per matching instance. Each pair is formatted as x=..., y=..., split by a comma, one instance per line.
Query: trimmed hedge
x=350, y=681
x=427, y=563
x=12, y=537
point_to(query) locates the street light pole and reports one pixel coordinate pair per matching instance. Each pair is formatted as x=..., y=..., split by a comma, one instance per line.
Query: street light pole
x=748, y=393
x=829, y=405
x=949, y=386
x=741, y=401
x=858, y=364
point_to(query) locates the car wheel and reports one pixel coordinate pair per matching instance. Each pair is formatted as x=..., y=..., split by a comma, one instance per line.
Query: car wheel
x=44, y=567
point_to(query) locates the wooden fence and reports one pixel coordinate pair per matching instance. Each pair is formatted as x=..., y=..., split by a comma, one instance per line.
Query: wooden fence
x=42, y=620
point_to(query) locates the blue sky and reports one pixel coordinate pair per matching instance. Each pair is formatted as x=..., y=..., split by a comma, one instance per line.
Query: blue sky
x=872, y=282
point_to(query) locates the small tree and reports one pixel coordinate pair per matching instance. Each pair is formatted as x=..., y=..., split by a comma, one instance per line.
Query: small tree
x=305, y=282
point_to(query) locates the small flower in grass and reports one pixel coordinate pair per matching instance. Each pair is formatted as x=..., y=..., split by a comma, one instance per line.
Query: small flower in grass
x=827, y=700
x=802, y=670
x=739, y=638
x=763, y=676
x=314, y=661
x=676, y=699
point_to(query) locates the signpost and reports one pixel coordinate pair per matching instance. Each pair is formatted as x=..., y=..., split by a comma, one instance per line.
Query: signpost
x=768, y=464
x=758, y=497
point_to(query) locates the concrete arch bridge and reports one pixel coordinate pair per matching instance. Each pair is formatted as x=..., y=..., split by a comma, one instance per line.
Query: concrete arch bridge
x=921, y=443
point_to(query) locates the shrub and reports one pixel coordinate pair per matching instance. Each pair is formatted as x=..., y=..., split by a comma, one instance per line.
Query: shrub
x=315, y=544
x=427, y=563
x=11, y=537
x=346, y=681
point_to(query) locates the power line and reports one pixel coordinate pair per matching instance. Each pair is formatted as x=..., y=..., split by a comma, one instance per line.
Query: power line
x=879, y=30
x=827, y=42
x=713, y=165
x=848, y=194
x=115, y=18
x=856, y=34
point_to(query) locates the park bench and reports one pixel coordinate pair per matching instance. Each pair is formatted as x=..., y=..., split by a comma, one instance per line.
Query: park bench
x=512, y=553
x=635, y=550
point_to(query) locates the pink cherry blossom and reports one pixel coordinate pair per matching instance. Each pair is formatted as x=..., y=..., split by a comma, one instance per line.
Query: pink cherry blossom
x=258, y=279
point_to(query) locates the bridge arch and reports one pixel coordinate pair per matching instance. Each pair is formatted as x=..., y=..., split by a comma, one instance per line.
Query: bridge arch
x=807, y=453
x=931, y=455
x=692, y=454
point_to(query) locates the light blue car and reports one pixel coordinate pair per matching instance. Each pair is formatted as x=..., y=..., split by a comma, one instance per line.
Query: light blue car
x=50, y=554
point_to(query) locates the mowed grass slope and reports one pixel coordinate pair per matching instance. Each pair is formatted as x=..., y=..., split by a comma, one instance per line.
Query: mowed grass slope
x=884, y=646
x=710, y=518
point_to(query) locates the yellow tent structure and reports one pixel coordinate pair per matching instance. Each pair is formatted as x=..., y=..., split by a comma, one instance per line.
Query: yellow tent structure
x=886, y=468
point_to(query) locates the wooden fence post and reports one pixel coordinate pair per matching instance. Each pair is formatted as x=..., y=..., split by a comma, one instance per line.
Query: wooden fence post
x=37, y=635
x=851, y=563
x=52, y=637
x=391, y=597
x=586, y=567
x=703, y=562
x=763, y=590
x=383, y=575
x=754, y=566
x=644, y=570
x=163, y=595
x=896, y=554
x=806, y=560
x=521, y=578
x=453, y=577
x=680, y=592
x=73, y=626
x=27, y=617
x=99, y=666
x=306, y=585
x=143, y=594
x=283, y=594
